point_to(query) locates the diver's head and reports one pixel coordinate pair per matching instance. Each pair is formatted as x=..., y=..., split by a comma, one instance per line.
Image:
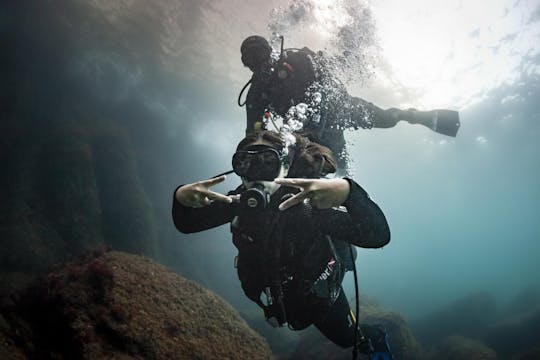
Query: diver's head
x=260, y=158
x=311, y=160
x=256, y=53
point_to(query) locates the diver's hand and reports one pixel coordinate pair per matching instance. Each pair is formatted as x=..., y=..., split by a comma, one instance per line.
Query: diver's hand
x=322, y=193
x=198, y=194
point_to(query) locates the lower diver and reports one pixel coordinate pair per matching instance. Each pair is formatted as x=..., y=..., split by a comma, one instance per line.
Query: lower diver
x=294, y=231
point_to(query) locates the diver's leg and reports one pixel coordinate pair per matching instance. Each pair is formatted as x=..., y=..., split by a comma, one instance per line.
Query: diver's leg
x=365, y=115
x=338, y=324
x=379, y=342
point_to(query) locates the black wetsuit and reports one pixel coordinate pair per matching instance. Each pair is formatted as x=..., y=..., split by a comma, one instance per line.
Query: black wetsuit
x=298, y=248
x=296, y=78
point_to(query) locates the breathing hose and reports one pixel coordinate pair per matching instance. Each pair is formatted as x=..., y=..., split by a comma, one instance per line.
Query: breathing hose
x=239, y=101
x=357, y=330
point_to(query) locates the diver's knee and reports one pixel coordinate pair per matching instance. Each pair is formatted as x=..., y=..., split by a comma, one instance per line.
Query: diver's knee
x=343, y=342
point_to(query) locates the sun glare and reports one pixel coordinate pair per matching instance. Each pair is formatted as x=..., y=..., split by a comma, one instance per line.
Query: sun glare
x=449, y=53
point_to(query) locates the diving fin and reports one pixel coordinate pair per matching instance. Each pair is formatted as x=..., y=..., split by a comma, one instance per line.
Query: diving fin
x=381, y=356
x=377, y=338
x=444, y=122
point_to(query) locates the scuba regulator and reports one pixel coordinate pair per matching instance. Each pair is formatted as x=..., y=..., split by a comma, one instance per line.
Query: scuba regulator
x=256, y=165
x=254, y=198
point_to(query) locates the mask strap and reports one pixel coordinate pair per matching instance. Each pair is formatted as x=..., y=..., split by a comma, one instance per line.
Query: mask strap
x=224, y=173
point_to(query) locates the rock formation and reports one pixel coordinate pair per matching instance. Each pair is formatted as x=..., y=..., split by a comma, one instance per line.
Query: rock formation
x=115, y=305
x=459, y=348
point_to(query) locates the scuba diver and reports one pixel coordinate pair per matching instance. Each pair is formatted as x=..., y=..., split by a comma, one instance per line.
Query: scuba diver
x=298, y=84
x=294, y=231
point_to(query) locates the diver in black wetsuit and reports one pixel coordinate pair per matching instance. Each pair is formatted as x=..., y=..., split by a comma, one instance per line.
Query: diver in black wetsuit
x=301, y=76
x=293, y=234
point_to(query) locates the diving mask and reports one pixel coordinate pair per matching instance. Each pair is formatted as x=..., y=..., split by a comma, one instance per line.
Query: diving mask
x=258, y=163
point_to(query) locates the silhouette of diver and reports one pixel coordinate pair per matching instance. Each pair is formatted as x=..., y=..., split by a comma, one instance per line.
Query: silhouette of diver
x=300, y=85
x=294, y=233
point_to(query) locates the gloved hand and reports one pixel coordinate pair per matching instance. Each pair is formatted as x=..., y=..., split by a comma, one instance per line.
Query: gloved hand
x=322, y=193
x=198, y=194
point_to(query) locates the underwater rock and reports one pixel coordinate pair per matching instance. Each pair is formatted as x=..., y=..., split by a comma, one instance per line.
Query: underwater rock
x=78, y=148
x=116, y=305
x=314, y=345
x=529, y=354
x=459, y=348
x=404, y=346
x=523, y=302
x=85, y=192
x=468, y=316
x=515, y=334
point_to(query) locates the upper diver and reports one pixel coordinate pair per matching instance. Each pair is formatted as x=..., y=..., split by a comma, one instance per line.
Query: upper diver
x=301, y=76
x=293, y=231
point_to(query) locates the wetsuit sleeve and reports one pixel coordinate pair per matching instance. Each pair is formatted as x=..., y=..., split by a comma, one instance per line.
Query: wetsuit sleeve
x=189, y=220
x=363, y=224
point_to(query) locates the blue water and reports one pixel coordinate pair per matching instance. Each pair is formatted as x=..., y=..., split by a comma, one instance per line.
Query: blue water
x=463, y=212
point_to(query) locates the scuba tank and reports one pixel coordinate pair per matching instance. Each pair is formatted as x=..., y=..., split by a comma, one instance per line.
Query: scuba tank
x=287, y=78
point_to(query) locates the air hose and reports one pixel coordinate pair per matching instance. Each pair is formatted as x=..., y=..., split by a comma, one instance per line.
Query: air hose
x=240, y=103
x=359, y=337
